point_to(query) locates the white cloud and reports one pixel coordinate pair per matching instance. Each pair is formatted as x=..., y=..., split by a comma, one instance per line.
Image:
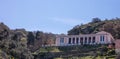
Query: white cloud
x=68, y=21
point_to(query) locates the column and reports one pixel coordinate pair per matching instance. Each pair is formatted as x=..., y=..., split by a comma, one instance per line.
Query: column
x=83, y=40
x=91, y=40
x=71, y=40
x=87, y=40
x=75, y=40
x=79, y=41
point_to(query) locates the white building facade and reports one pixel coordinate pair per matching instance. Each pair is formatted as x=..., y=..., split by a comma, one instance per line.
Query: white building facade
x=89, y=39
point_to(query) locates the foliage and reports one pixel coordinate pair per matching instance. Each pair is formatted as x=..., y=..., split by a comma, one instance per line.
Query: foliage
x=12, y=45
x=31, y=38
x=37, y=39
x=112, y=26
x=111, y=52
x=95, y=20
x=19, y=43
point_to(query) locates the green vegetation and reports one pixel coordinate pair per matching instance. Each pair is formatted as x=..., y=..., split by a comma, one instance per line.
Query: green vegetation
x=13, y=44
x=112, y=26
x=38, y=39
x=48, y=49
x=77, y=52
x=90, y=57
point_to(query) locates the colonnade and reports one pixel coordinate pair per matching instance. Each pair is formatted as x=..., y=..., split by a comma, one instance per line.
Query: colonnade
x=82, y=40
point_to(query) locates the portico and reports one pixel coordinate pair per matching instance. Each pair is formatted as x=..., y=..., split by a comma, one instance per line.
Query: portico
x=91, y=39
x=82, y=40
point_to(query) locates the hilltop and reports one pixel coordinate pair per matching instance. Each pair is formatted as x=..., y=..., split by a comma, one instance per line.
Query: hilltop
x=109, y=25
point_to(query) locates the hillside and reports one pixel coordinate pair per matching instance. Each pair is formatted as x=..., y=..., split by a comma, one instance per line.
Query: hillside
x=13, y=46
x=109, y=25
x=19, y=43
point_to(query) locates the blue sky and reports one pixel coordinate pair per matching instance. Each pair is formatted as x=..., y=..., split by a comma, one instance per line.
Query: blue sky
x=56, y=16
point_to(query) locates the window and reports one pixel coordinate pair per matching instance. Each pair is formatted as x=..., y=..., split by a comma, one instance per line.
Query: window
x=77, y=40
x=93, y=40
x=102, y=38
x=69, y=42
x=85, y=40
x=73, y=40
x=81, y=40
x=89, y=39
x=61, y=40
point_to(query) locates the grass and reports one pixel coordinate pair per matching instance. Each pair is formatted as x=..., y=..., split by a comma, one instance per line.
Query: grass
x=55, y=50
x=48, y=49
x=83, y=49
x=66, y=48
x=87, y=57
x=58, y=58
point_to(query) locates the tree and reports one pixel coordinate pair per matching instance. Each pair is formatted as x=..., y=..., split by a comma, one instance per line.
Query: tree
x=39, y=35
x=95, y=20
x=10, y=46
x=31, y=38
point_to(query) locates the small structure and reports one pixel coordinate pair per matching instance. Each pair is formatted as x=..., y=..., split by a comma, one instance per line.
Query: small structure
x=82, y=39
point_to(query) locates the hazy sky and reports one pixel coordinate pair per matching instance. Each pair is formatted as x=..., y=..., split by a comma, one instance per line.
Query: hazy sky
x=56, y=16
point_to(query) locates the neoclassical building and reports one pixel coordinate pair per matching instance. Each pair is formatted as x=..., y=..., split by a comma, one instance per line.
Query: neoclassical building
x=91, y=39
